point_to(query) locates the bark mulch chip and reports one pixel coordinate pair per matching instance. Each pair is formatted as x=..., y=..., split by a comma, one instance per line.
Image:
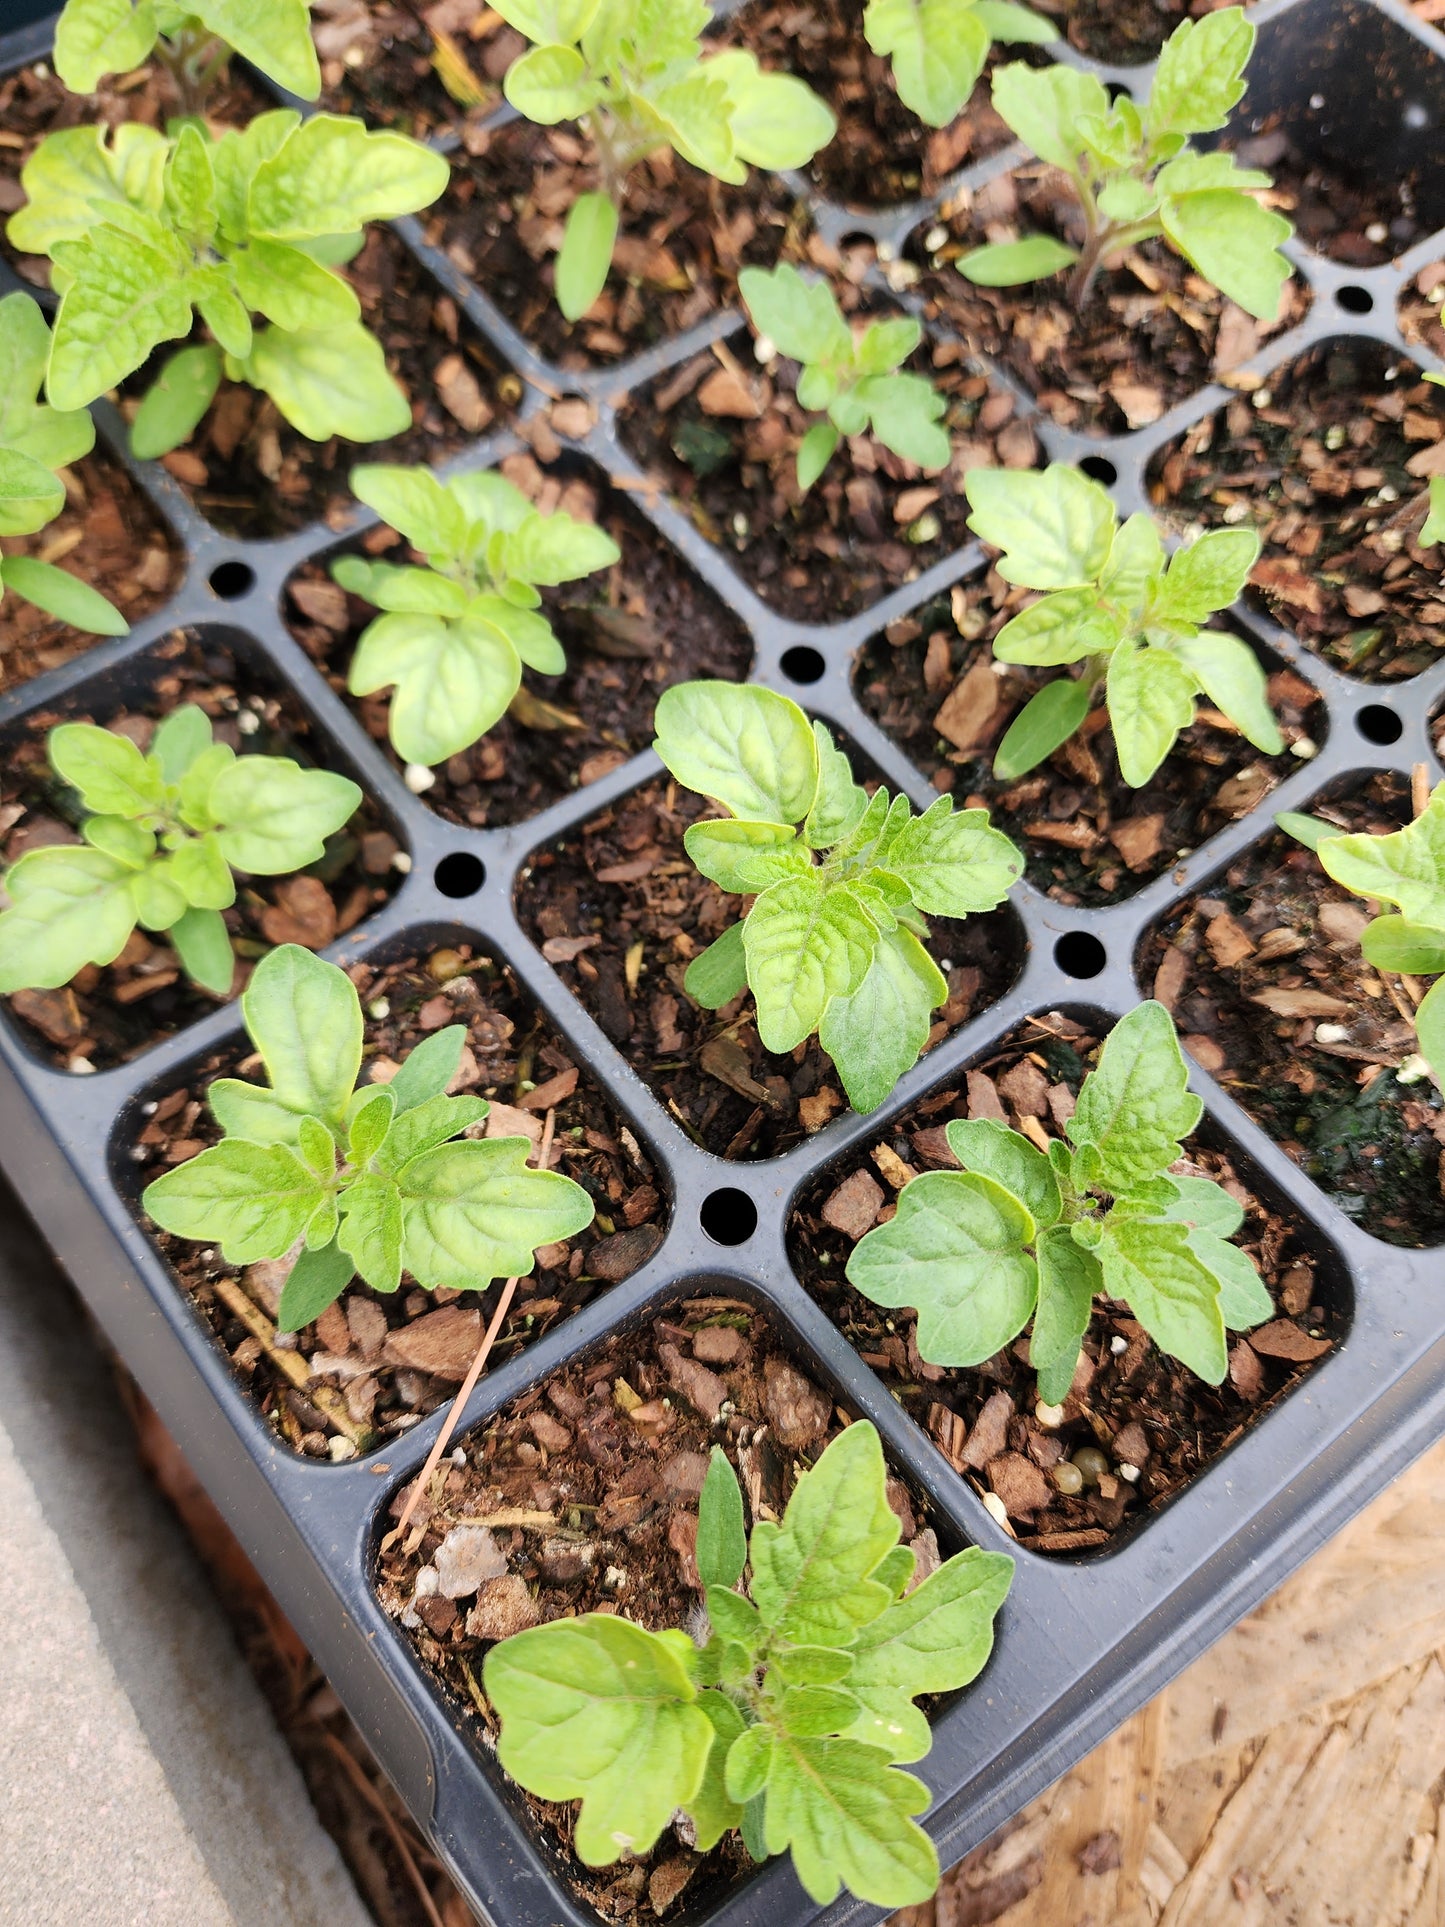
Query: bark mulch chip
x=684, y=237
x=628, y=634
x=724, y=434
x=581, y=1496
x=1265, y=976
x=882, y=153
x=107, y=1015
x=1331, y=462
x=1152, y=332
x=1143, y=1411
x=107, y=534
x=375, y=1363
x=930, y=681
x=620, y=912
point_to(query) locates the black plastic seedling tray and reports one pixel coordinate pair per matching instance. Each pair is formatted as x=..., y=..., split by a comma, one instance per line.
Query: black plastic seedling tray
x=1082, y=1641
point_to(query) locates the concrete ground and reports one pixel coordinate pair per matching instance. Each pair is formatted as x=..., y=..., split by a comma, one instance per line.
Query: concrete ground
x=142, y=1779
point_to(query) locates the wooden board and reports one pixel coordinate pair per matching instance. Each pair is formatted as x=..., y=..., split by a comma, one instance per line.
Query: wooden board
x=1293, y=1777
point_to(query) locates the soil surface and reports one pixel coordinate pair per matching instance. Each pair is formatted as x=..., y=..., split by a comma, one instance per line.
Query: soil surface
x=1151, y=333
x=1359, y=219
x=882, y=153
x=620, y=912
x=105, y=1016
x=930, y=681
x=1331, y=463
x=724, y=434
x=684, y=236
x=1265, y=972
x=646, y=623
x=1127, y=32
x=107, y=534
x=379, y=1362
x=590, y=1483
x=383, y=63
x=253, y=475
x=1144, y=1411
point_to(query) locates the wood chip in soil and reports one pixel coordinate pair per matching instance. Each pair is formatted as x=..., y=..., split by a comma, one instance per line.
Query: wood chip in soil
x=592, y=1479
x=724, y=435
x=1265, y=978
x=379, y=1362
x=1139, y=1407
x=1331, y=462
x=107, y=534
x=930, y=681
x=648, y=622
x=684, y=237
x=882, y=153
x=619, y=911
x=106, y=1015
x=1152, y=333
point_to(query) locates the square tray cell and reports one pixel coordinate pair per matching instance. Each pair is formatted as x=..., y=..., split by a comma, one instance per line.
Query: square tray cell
x=378, y=1363
x=629, y=632
x=1330, y=461
x=1262, y=968
x=619, y=911
x=723, y=434
x=1159, y=1426
x=929, y=680
x=600, y=1466
x=109, y=1014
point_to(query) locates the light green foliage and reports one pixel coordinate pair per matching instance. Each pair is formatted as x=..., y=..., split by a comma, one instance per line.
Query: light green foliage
x=853, y=378
x=145, y=230
x=371, y=1176
x=1016, y=1235
x=938, y=47
x=635, y=74
x=843, y=882
x=94, y=38
x=1132, y=619
x=35, y=440
x=1137, y=177
x=161, y=834
x=1406, y=868
x=455, y=635
x=792, y=1720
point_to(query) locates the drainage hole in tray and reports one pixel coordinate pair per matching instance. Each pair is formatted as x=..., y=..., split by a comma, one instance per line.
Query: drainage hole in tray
x=1378, y=724
x=1101, y=468
x=460, y=875
x=729, y=1216
x=803, y=663
x=1354, y=300
x=231, y=580
x=1078, y=954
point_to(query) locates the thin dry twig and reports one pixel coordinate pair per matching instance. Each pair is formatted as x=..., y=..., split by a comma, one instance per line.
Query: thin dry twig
x=474, y=1372
x=1419, y=789
x=388, y=1819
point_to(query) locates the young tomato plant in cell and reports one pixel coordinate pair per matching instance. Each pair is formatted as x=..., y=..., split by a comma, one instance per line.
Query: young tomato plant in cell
x=843, y=882
x=193, y=43
x=1136, y=176
x=791, y=1722
x=1134, y=621
x=939, y=47
x=854, y=378
x=163, y=834
x=634, y=74
x=455, y=635
x=1017, y=1235
x=35, y=441
x=144, y=228
x=372, y=1178
x=1406, y=868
